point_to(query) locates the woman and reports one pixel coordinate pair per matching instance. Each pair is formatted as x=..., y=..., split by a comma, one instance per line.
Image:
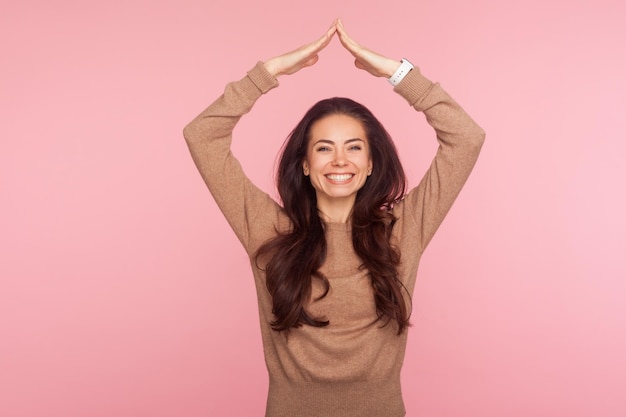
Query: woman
x=335, y=265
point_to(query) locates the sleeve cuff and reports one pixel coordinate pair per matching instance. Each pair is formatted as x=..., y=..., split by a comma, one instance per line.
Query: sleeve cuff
x=414, y=87
x=263, y=80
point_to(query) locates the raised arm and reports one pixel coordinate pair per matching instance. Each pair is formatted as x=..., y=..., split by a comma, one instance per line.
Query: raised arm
x=460, y=140
x=209, y=138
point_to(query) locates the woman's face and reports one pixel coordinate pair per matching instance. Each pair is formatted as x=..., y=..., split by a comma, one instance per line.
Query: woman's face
x=338, y=159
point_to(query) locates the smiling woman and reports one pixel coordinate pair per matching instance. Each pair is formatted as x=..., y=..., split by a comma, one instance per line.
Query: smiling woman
x=335, y=264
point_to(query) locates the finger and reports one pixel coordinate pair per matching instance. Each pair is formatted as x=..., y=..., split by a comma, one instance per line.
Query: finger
x=341, y=30
x=325, y=39
x=333, y=28
x=340, y=24
x=345, y=39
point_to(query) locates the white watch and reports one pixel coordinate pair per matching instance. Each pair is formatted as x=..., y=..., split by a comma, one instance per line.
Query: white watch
x=401, y=72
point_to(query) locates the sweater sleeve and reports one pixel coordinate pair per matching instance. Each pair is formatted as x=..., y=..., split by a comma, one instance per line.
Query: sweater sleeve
x=460, y=140
x=209, y=138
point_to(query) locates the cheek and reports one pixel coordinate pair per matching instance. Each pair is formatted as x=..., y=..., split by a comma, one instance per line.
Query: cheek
x=367, y=163
x=317, y=162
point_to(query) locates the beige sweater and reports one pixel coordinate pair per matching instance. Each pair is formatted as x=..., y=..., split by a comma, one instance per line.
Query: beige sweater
x=351, y=367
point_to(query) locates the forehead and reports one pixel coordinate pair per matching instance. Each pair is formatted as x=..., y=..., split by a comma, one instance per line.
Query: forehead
x=338, y=127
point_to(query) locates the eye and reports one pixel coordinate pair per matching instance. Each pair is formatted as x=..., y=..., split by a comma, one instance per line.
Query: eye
x=355, y=148
x=323, y=149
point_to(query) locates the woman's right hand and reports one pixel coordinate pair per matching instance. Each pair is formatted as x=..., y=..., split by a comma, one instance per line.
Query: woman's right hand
x=305, y=56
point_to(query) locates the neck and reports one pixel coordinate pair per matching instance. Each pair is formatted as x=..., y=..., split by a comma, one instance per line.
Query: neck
x=336, y=211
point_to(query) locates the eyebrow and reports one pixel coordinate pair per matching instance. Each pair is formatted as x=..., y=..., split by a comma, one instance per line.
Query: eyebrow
x=331, y=142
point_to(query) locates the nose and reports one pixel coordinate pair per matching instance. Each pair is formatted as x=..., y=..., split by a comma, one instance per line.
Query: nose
x=339, y=159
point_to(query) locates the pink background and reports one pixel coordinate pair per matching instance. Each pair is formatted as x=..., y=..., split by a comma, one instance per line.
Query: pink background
x=124, y=293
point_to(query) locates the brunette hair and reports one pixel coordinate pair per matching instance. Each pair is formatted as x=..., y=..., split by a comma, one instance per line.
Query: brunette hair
x=293, y=258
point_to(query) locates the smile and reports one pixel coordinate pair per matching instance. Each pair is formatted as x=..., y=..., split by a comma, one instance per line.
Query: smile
x=339, y=177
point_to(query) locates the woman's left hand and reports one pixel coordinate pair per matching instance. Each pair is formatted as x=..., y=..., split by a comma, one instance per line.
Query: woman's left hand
x=365, y=59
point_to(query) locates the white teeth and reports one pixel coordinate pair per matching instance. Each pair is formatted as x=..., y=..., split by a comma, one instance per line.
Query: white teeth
x=339, y=177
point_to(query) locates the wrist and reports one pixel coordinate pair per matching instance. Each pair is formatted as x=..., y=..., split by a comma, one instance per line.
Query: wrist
x=401, y=71
x=391, y=68
x=271, y=67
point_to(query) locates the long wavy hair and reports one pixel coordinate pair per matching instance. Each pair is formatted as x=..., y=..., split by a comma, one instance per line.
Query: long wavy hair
x=292, y=259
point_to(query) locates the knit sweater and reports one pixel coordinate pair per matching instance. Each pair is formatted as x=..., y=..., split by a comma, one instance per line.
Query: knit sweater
x=350, y=368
